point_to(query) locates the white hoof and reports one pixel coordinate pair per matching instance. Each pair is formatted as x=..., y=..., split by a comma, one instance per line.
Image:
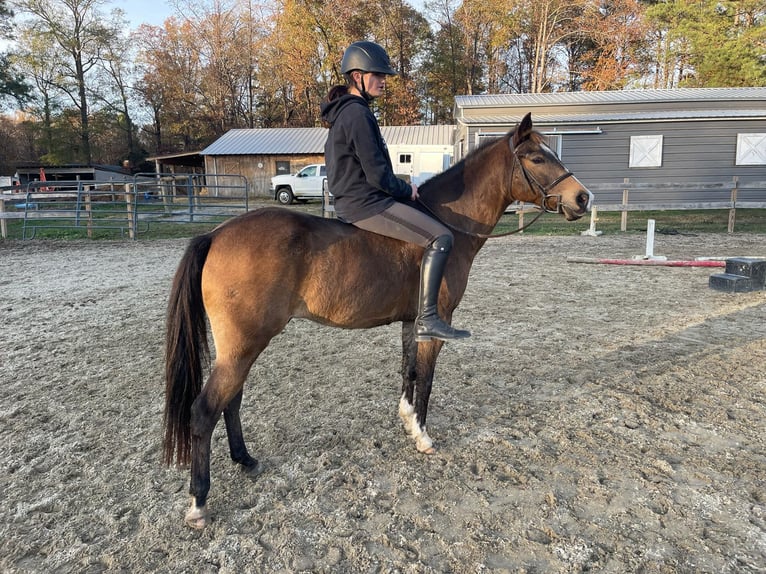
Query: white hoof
x=196, y=517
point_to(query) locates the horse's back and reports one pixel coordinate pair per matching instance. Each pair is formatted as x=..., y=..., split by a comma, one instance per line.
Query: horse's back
x=307, y=266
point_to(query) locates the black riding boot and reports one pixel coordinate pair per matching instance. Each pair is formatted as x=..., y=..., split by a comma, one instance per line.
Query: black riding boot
x=429, y=325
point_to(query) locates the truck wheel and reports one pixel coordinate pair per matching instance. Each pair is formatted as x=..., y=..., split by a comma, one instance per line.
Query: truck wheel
x=285, y=196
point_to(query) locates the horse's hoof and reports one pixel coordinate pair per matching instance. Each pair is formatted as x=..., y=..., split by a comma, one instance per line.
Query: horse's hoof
x=197, y=523
x=247, y=462
x=196, y=517
x=424, y=444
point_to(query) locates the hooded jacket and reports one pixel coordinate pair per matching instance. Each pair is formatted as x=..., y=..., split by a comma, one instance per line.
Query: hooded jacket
x=359, y=171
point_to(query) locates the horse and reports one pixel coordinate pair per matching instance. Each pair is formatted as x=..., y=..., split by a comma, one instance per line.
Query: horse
x=254, y=273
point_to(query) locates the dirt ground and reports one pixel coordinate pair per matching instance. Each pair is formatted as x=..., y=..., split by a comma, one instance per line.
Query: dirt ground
x=602, y=418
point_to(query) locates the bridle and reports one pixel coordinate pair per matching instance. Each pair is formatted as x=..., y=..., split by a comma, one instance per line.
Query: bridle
x=542, y=190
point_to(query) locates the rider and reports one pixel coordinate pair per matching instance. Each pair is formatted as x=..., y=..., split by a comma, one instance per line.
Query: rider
x=367, y=193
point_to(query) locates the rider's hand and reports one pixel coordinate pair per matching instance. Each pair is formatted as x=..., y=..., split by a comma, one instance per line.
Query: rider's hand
x=414, y=195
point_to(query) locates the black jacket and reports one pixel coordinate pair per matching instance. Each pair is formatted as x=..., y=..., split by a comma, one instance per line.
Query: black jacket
x=359, y=170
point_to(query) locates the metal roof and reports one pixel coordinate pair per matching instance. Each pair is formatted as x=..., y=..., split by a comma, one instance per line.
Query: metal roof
x=269, y=141
x=418, y=135
x=595, y=117
x=278, y=141
x=612, y=97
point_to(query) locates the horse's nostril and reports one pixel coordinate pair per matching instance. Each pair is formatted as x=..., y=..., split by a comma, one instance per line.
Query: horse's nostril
x=583, y=199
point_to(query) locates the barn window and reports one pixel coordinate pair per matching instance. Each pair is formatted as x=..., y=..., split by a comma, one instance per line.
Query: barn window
x=405, y=158
x=751, y=149
x=645, y=151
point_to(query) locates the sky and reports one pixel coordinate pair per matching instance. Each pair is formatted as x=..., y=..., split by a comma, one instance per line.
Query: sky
x=155, y=12
x=138, y=12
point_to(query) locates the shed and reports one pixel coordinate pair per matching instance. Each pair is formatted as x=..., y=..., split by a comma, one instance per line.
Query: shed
x=184, y=162
x=648, y=136
x=30, y=173
x=259, y=154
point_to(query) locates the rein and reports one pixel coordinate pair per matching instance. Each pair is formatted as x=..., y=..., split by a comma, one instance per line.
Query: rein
x=543, y=192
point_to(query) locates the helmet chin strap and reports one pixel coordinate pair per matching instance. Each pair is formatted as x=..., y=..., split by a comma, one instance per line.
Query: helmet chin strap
x=365, y=94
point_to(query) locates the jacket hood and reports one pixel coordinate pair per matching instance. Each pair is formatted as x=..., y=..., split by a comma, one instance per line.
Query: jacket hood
x=331, y=110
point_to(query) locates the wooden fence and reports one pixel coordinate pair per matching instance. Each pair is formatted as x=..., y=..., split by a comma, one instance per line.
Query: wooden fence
x=131, y=207
x=731, y=195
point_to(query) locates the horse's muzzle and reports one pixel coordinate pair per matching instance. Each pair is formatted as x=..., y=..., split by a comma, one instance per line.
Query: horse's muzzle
x=578, y=206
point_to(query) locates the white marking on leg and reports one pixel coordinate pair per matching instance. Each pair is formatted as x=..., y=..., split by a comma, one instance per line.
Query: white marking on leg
x=196, y=517
x=407, y=413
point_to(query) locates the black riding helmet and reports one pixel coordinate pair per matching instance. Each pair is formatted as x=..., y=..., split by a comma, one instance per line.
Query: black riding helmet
x=367, y=57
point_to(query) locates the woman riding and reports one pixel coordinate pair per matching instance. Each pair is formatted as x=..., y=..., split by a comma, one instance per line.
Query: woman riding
x=367, y=193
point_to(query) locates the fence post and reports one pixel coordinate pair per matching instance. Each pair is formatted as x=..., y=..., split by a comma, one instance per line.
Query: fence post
x=733, y=209
x=190, y=196
x=88, y=212
x=624, y=214
x=3, y=223
x=131, y=219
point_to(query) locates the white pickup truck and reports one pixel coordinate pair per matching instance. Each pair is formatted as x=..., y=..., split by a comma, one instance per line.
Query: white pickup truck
x=306, y=184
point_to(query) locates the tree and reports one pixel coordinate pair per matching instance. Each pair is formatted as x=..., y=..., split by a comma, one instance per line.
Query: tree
x=610, y=52
x=12, y=85
x=37, y=60
x=404, y=33
x=77, y=28
x=738, y=57
x=116, y=94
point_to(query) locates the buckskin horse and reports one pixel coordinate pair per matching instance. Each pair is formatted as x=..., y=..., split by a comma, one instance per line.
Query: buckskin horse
x=251, y=275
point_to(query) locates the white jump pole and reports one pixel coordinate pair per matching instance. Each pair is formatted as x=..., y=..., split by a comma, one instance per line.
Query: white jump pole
x=592, y=229
x=650, y=243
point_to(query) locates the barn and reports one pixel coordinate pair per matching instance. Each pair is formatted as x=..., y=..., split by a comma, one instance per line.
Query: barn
x=258, y=154
x=695, y=136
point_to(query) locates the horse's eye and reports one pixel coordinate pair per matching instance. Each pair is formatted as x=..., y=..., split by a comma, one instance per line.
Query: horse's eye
x=538, y=159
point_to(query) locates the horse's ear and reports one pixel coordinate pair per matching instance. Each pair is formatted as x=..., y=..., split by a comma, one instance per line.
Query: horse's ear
x=523, y=130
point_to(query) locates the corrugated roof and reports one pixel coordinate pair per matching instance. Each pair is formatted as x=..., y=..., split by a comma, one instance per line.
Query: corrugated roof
x=269, y=141
x=612, y=97
x=277, y=141
x=418, y=135
x=595, y=117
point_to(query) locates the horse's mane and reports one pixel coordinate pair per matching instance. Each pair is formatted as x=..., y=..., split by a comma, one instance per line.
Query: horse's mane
x=474, y=155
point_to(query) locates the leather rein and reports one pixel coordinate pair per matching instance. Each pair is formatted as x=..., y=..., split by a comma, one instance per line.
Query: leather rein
x=542, y=190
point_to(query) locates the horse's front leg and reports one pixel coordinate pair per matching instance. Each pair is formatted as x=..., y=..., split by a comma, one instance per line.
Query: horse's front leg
x=237, y=447
x=418, y=363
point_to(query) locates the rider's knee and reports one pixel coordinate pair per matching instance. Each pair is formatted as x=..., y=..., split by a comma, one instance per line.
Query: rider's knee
x=443, y=242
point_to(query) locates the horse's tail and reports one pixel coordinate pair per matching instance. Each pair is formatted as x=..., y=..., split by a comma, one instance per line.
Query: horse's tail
x=186, y=349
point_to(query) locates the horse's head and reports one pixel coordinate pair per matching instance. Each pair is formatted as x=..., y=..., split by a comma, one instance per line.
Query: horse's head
x=545, y=181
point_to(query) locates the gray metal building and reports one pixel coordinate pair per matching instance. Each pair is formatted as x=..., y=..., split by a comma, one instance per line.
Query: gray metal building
x=647, y=136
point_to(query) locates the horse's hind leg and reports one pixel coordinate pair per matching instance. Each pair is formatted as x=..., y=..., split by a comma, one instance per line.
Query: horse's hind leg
x=223, y=387
x=237, y=447
x=418, y=362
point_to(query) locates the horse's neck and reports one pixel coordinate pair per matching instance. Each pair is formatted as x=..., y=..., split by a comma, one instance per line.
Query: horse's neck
x=470, y=197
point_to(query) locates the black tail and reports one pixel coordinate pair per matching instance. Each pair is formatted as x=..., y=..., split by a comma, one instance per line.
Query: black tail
x=186, y=349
